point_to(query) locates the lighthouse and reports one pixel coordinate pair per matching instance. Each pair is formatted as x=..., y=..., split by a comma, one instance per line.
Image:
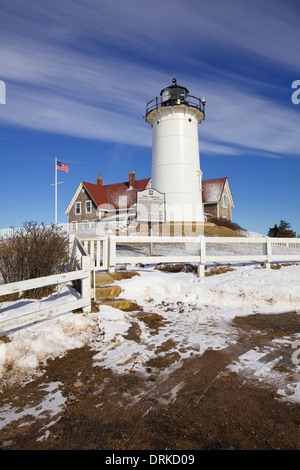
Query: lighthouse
x=174, y=117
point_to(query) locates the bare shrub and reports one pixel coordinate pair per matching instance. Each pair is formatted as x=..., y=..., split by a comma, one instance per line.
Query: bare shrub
x=34, y=251
x=220, y=221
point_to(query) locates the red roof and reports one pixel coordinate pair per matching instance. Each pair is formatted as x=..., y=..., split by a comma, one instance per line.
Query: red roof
x=212, y=190
x=115, y=196
x=119, y=195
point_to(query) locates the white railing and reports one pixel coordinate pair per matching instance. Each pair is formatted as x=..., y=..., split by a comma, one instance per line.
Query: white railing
x=85, y=228
x=6, y=232
x=246, y=233
x=84, y=302
x=97, y=249
x=200, y=250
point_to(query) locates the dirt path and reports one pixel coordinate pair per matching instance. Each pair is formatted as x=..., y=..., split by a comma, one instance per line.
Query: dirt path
x=198, y=405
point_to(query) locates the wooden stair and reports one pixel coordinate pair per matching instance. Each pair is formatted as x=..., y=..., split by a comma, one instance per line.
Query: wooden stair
x=107, y=293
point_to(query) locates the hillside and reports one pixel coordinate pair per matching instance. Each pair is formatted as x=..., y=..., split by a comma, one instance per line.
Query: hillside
x=179, y=229
x=213, y=230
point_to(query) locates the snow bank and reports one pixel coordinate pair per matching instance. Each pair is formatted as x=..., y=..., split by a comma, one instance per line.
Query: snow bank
x=31, y=346
x=246, y=288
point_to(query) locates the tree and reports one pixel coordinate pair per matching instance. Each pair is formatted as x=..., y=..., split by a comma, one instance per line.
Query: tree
x=282, y=231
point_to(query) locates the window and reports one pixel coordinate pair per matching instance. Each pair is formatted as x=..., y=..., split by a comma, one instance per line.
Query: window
x=77, y=208
x=224, y=201
x=88, y=207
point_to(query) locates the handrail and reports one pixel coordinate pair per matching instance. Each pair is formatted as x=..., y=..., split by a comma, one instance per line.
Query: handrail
x=191, y=101
x=80, y=247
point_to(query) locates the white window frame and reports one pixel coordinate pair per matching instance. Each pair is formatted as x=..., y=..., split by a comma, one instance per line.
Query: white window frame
x=224, y=201
x=89, y=202
x=77, y=205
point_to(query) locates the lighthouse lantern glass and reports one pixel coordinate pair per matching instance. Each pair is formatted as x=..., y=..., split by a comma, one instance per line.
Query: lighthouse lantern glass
x=174, y=95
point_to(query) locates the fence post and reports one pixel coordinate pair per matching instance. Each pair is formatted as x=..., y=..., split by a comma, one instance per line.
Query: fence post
x=105, y=253
x=86, y=282
x=201, y=265
x=92, y=250
x=111, y=253
x=268, y=252
x=71, y=248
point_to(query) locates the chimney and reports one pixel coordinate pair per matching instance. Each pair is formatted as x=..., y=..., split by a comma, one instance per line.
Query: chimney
x=131, y=179
x=99, y=180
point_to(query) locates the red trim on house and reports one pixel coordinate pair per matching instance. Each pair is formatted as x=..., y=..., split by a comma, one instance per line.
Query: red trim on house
x=117, y=196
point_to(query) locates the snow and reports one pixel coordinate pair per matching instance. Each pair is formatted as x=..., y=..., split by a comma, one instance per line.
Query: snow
x=196, y=316
x=246, y=287
x=51, y=404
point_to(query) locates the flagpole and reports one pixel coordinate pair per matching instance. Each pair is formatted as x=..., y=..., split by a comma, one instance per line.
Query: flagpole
x=55, y=190
x=65, y=168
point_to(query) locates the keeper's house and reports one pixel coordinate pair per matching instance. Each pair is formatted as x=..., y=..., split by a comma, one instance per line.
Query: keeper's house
x=93, y=202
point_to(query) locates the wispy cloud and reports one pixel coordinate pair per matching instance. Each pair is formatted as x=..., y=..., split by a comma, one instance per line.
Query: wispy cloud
x=87, y=68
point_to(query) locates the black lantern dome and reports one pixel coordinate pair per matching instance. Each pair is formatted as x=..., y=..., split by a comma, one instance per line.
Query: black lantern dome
x=174, y=94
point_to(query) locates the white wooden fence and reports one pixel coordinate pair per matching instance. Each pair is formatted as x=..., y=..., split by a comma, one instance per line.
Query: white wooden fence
x=107, y=252
x=84, y=302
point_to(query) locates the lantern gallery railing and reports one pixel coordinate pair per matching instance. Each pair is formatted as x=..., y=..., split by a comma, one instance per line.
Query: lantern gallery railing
x=187, y=100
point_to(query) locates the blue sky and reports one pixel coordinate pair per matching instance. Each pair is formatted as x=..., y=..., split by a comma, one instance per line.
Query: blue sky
x=78, y=74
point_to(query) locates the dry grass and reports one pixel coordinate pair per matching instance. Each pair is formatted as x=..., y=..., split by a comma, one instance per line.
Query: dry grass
x=284, y=265
x=219, y=231
x=218, y=270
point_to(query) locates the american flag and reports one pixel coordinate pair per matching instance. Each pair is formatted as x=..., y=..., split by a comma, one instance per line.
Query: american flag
x=62, y=167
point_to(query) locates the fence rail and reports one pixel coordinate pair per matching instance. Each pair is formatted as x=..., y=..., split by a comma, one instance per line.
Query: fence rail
x=204, y=251
x=83, y=302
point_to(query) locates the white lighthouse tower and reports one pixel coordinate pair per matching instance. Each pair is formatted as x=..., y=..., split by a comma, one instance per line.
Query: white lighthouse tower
x=175, y=116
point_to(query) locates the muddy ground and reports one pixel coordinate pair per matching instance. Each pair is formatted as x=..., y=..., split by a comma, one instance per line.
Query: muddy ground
x=199, y=405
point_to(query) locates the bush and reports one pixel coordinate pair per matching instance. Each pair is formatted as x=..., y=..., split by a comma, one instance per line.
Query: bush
x=225, y=223
x=34, y=251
